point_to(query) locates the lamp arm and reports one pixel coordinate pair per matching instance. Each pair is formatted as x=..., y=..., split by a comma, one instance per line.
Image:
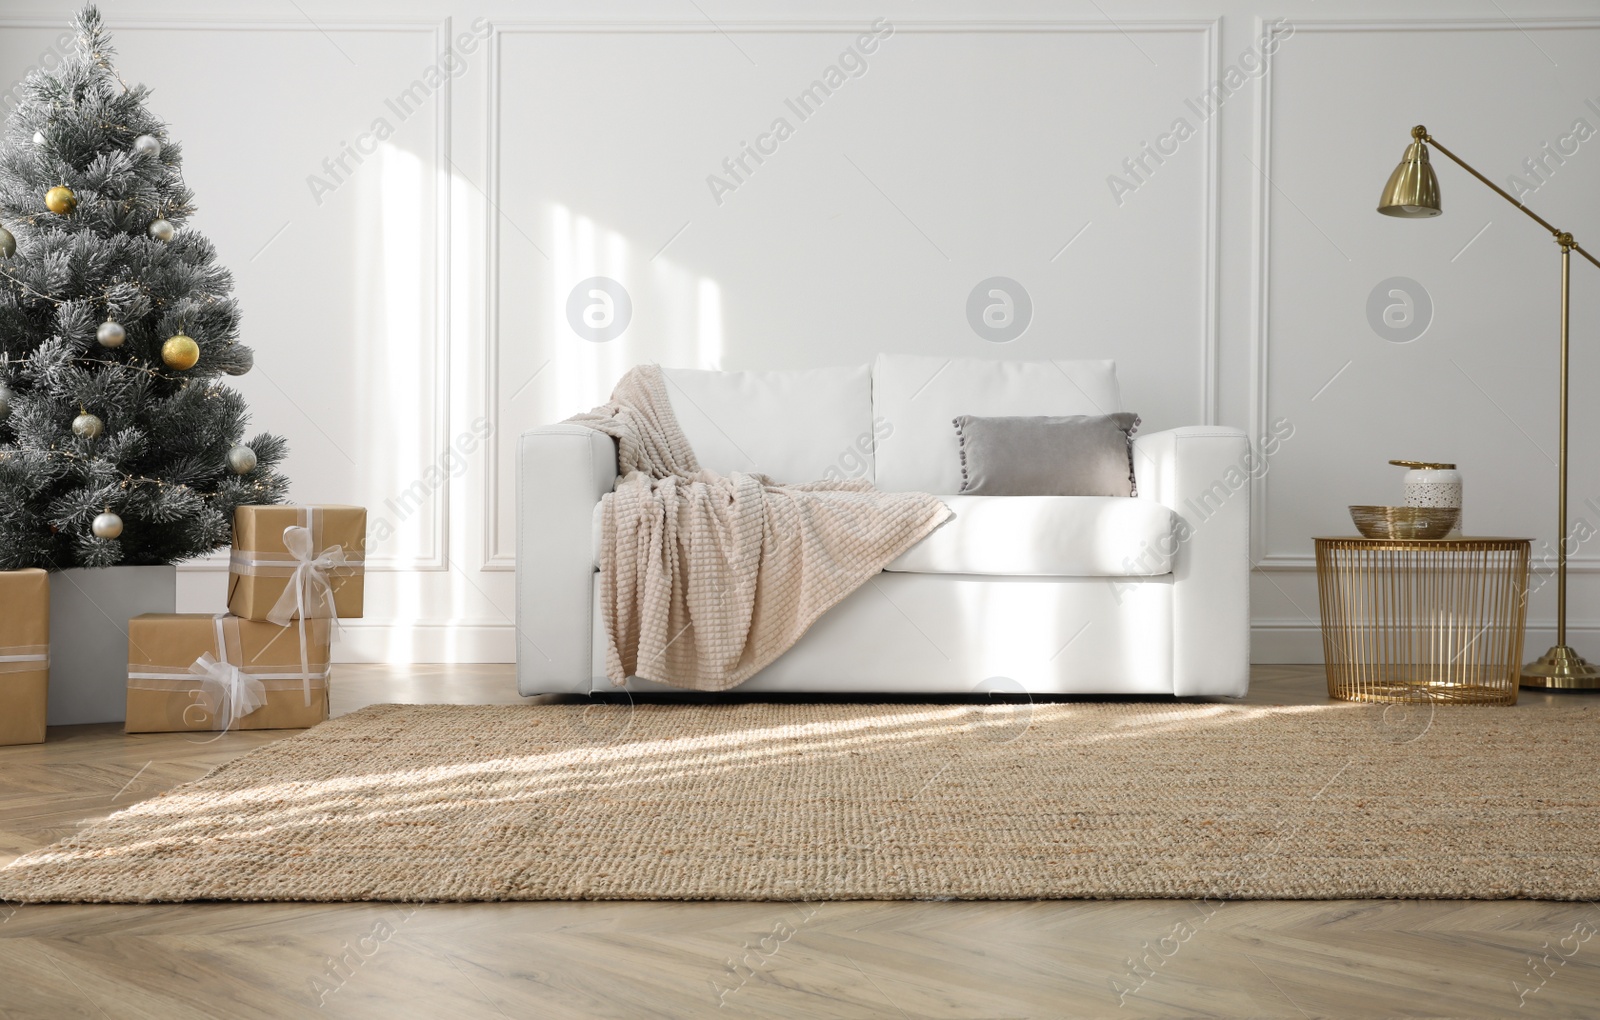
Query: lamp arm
x=1562, y=237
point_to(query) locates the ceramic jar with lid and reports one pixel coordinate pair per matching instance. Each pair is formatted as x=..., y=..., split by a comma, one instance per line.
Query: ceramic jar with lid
x=1431, y=484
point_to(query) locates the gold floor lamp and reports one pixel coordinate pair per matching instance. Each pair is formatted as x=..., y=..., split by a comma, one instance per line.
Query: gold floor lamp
x=1413, y=192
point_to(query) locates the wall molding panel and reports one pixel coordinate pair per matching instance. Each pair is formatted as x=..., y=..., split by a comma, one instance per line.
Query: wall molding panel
x=438, y=34
x=1261, y=339
x=496, y=554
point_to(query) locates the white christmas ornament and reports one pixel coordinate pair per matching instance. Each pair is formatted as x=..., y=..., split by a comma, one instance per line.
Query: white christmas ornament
x=242, y=459
x=111, y=334
x=38, y=138
x=107, y=525
x=162, y=230
x=88, y=426
x=147, y=143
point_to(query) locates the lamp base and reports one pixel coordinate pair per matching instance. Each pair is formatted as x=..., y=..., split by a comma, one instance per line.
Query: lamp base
x=1561, y=668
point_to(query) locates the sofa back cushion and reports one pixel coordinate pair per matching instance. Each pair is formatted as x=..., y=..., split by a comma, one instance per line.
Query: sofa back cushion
x=916, y=399
x=797, y=426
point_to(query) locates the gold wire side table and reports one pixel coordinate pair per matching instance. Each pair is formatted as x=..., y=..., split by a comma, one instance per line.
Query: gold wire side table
x=1425, y=620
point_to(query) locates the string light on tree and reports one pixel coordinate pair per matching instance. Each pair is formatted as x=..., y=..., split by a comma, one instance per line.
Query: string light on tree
x=162, y=230
x=180, y=352
x=110, y=334
x=107, y=525
x=60, y=200
x=242, y=459
x=38, y=138
x=148, y=144
x=87, y=426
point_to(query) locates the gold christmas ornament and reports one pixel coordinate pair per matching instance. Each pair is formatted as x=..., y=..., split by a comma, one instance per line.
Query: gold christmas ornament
x=111, y=334
x=8, y=243
x=87, y=426
x=162, y=230
x=180, y=352
x=60, y=200
x=107, y=525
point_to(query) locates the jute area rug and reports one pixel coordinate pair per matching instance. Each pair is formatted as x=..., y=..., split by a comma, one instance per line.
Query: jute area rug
x=859, y=801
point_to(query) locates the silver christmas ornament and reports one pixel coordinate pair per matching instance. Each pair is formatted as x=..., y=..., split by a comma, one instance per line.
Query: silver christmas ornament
x=242, y=459
x=107, y=525
x=88, y=426
x=38, y=138
x=147, y=143
x=247, y=359
x=162, y=230
x=8, y=243
x=111, y=334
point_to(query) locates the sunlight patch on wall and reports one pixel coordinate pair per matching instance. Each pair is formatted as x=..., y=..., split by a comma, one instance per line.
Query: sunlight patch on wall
x=393, y=364
x=710, y=324
x=674, y=317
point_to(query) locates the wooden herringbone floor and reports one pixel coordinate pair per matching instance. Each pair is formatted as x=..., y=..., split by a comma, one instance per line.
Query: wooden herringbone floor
x=1045, y=959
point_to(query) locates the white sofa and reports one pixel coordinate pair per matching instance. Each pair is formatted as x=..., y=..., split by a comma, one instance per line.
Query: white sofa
x=1048, y=595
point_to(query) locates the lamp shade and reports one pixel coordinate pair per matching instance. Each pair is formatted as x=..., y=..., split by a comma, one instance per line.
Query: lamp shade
x=1413, y=188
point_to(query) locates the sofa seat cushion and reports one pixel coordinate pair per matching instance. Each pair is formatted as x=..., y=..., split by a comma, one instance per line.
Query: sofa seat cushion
x=1034, y=536
x=1047, y=536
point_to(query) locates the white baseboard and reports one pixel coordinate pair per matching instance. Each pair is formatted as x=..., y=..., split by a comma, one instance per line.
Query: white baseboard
x=1285, y=642
x=1271, y=641
x=424, y=641
x=1296, y=641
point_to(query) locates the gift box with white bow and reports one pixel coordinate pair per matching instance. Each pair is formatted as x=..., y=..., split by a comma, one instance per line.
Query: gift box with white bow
x=196, y=671
x=24, y=655
x=293, y=562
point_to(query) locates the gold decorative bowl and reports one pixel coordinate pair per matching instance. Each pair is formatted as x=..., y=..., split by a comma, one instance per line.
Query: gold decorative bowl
x=1405, y=521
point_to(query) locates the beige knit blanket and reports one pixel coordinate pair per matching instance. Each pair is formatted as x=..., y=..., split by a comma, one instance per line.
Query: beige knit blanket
x=705, y=579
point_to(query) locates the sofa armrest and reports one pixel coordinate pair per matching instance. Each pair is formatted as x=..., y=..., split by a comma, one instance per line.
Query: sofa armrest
x=1202, y=473
x=562, y=471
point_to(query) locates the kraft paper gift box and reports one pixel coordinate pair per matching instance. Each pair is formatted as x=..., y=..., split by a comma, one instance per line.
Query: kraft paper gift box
x=198, y=671
x=288, y=556
x=24, y=655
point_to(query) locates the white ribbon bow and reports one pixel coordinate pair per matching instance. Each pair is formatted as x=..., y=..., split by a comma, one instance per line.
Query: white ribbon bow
x=228, y=693
x=309, y=591
x=309, y=586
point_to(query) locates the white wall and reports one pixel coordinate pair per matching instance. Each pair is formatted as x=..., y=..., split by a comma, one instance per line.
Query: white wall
x=394, y=305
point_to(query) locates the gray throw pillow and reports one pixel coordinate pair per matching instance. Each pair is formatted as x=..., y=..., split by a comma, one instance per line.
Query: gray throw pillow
x=1072, y=455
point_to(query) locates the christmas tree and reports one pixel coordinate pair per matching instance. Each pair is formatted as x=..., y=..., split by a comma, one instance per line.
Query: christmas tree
x=118, y=441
